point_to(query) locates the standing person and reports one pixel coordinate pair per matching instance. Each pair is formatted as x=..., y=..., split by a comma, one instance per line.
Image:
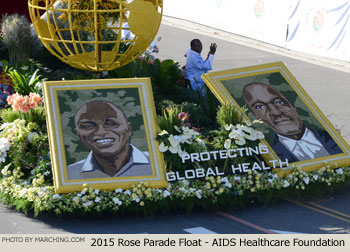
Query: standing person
x=196, y=66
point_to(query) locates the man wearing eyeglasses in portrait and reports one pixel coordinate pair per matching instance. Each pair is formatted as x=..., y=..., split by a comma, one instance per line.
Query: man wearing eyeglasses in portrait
x=293, y=139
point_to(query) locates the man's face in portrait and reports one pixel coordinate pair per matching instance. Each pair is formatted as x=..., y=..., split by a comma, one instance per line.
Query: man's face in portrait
x=103, y=128
x=269, y=105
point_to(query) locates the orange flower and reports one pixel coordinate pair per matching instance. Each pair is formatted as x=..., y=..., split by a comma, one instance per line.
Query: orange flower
x=36, y=98
x=9, y=99
x=24, y=103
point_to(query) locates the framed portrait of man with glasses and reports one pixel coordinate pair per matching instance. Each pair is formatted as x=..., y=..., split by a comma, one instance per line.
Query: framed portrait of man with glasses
x=296, y=131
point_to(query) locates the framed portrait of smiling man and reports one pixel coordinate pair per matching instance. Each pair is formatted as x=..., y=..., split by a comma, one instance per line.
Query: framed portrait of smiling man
x=102, y=133
x=296, y=131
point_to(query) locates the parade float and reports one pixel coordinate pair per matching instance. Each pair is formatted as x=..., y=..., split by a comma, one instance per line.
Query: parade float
x=205, y=152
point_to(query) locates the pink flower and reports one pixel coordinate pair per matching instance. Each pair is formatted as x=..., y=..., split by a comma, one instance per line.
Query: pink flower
x=9, y=99
x=25, y=109
x=24, y=103
x=19, y=99
x=36, y=98
x=15, y=107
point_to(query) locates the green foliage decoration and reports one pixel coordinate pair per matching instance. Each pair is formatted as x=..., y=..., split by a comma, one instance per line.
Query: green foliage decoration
x=165, y=75
x=37, y=115
x=229, y=114
x=16, y=36
x=28, y=146
x=26, y=83
x=169, y=118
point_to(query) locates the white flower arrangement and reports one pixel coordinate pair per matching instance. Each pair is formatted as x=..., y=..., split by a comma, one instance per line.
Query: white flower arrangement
x=4, y=147
x=239, y=133
x=43, y=198
x=174, y=143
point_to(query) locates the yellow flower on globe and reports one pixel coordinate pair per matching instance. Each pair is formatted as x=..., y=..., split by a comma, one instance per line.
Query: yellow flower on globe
x=208, y=185
x=221, y=190
x=134, y=189
x=134, y=195
x=84, y=185
x=142, y=203
x=148, y=194
x=84, y=198
x=218, y=179
x=295, y=179
x=214, y=185
x=139, y=192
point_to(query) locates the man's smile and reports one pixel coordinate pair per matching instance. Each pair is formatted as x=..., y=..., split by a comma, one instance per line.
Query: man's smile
x=103, y=141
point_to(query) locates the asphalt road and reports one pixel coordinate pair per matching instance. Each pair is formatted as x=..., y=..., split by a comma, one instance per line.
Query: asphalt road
x=325, y=81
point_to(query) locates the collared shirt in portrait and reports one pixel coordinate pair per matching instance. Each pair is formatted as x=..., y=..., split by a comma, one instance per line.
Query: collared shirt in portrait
x=308, y=147
x=195, y=67
x=138, y=165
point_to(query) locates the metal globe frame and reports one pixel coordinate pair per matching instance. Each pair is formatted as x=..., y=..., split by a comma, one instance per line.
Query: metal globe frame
x=96, y=35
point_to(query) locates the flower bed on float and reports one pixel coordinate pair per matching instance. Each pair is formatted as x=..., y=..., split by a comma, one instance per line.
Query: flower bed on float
x=26, y=177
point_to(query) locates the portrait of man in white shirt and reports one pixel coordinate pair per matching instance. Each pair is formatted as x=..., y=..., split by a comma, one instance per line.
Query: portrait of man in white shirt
x=104, y=128
x=293, y=140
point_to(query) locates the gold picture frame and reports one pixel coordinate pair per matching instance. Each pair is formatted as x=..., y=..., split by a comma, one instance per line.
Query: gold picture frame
x=102, y=133
x=274, y=78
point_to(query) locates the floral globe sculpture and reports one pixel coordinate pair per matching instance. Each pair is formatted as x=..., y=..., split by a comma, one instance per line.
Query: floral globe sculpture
x=96, y=35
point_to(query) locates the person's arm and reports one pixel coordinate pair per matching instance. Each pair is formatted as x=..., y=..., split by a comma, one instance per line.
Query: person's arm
x=210, y=58
x=212, y=49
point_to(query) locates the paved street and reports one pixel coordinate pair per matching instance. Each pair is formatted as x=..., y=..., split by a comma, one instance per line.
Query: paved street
x=328, y=85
